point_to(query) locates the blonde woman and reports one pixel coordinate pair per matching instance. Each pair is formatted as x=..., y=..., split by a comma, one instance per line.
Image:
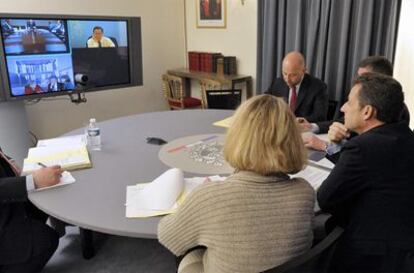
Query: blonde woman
x=258, y=217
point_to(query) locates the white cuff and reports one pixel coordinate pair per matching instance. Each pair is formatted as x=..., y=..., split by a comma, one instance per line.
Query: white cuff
x=30, y=186
x=314, y=128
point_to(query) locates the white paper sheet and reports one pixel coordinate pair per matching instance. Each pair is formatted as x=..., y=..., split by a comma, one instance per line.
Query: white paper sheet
x=313, y=175
x=162, y=193
x=63, y=141
x=145, y=200
x=324, y=162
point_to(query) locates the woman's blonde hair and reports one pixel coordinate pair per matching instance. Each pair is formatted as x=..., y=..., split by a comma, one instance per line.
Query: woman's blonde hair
x=264, y=138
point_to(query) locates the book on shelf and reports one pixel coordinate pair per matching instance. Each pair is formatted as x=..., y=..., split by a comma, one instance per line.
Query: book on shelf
x=205, y=61
x=230, y=65
x=194, y=60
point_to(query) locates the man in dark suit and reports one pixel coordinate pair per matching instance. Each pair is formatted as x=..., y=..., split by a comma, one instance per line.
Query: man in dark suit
x=54, y=85
x=337, y=132
x=370, y=191
x=26, y=242
x=306, y=95
x=31, y=25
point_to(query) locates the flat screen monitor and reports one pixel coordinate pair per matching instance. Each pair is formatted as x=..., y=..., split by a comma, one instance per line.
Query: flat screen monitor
x=43, y=55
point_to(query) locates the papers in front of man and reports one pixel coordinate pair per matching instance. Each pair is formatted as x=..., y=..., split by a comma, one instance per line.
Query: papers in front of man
x=314, y=175
x=224, y=123
x=66, y=179
x=68, y=152
x=163, y=195
x=323, y=163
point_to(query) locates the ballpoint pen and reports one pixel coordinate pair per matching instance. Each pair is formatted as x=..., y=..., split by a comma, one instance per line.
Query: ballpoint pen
x=41, y=164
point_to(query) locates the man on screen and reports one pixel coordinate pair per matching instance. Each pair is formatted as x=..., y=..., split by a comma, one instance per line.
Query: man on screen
x=6, y=27
x=98, y=39
x=31, y=25
x=54, y=85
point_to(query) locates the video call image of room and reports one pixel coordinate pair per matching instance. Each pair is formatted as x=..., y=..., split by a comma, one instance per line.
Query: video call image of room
x=100, y=51
x=34, y=36
x=30, y=75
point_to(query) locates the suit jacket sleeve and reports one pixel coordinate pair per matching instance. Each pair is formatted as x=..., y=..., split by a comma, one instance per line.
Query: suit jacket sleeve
x=324, y=126
x=13, y=189
x=320, y=106
x=345, y=181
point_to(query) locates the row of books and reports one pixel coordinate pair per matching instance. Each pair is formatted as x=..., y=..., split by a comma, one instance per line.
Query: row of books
x=212, y=63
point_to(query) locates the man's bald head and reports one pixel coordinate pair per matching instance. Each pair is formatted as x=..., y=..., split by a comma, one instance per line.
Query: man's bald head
x=293, y=68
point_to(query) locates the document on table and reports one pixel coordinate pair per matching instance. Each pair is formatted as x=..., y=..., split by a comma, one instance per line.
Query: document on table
x=324, y=163
x=163, y=195
x=68, y=157
x=315, y=176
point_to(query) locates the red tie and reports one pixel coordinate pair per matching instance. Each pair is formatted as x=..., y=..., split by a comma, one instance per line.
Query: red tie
x=13, y=166
x=293, y=96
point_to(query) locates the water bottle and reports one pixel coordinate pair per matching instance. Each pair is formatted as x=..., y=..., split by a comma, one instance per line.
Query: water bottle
x=94, y=135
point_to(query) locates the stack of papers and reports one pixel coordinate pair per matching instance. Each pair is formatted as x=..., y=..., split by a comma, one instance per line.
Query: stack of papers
x=68, y=152
x=163, y=195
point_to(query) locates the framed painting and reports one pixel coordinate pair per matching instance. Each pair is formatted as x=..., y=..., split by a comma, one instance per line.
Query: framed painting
x=211, y=13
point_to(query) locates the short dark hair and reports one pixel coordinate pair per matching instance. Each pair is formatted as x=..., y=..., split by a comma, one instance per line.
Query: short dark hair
x=382, y=92
x=378, y=64
x=98, y=27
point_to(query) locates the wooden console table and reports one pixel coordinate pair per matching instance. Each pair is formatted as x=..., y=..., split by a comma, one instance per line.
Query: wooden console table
x=230, y=80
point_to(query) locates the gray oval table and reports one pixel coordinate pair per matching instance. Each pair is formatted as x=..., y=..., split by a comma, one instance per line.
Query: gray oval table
x=96, y=201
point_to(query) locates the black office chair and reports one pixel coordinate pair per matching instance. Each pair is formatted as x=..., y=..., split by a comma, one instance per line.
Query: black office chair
x=223, y=99
x=316, y=260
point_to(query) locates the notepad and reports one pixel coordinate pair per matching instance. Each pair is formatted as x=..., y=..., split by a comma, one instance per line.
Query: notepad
x=163, y=195
x=224, y=123
x=69, y=157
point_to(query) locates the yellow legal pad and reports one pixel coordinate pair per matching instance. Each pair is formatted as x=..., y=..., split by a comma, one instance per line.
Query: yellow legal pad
x=224, y=123
x=71, y=157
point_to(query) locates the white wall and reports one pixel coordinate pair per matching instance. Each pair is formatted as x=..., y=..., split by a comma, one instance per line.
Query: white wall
x=238, y=39
x=404, y=55
x=163, y=47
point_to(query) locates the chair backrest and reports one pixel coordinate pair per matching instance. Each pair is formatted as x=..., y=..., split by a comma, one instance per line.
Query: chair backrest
x=223, y=99
x=316, y=260
x=172, y=88
x=113, y=39
x=207, y=84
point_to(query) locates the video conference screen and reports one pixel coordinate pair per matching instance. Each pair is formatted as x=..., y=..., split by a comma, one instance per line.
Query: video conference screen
x=43, y=55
